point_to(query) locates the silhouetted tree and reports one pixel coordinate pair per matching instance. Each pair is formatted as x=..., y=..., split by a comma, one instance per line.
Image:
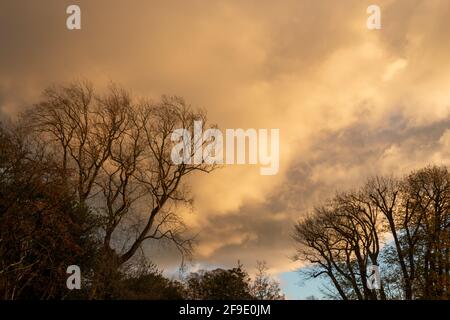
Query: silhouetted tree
x=263, y=286
x=115, y=155
x=343, y=235
x=219, y=284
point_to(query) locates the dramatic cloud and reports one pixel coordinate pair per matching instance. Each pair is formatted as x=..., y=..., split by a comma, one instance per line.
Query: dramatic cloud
x=349, y=102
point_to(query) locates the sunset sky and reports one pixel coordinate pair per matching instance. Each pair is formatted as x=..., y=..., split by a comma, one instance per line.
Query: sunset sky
x=349, y=102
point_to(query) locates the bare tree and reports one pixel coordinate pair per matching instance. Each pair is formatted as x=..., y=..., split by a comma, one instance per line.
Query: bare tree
x=342, y=236
x=386, y=194
x=115, y=153
x=316, y=246
x=427, y=196
x=263, y=286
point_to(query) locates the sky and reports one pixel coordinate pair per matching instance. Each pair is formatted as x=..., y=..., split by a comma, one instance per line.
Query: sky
x=349, y=102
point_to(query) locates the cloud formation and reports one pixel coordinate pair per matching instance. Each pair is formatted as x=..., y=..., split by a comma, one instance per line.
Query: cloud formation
x=349, y=102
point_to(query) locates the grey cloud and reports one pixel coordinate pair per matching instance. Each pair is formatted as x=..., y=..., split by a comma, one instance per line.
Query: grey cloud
x=360, y=145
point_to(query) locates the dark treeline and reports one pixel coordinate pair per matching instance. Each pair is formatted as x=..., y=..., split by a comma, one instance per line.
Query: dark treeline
x=87, y=179
x=402, y=225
